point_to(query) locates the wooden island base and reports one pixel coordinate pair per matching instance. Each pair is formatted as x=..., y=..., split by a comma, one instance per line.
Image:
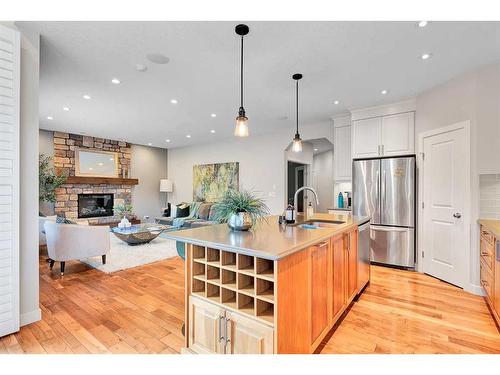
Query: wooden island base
x=241, y=304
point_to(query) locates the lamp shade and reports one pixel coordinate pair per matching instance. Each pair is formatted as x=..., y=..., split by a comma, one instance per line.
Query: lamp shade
x=166, y=186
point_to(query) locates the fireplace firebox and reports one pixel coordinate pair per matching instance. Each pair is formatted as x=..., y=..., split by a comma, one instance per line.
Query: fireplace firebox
x=95, y=205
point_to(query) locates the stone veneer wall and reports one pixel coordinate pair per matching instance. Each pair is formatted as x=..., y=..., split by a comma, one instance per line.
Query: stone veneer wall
x=65, y=145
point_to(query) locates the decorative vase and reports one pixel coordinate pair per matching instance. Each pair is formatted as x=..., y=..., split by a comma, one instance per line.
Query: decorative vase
x=240, y=221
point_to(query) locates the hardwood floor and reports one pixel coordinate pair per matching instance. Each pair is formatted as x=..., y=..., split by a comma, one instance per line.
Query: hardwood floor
x=141, y=311
x=408, y=312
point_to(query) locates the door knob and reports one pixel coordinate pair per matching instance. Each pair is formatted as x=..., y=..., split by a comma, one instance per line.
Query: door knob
x=458, y=215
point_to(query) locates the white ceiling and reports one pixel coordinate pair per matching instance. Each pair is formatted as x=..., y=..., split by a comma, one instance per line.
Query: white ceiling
x=348, y=61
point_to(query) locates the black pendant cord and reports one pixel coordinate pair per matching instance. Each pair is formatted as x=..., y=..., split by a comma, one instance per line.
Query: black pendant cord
x=241, y=74
x=297, y=105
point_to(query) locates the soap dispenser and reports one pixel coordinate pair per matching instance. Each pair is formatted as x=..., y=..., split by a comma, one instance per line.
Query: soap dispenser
x=340, y=200
x=310, y=210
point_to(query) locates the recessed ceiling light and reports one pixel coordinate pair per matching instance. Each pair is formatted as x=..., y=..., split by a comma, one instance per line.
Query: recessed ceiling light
x=425, y=56
x=111, y=159
x=213, y=115
x=174, y=101
x=422, y=23
x=66, y=109
x=157, y=58
x=336, y=102
x=141, y=67
x=212, y=131
x=116, y=81
x=150, y=144
x=315, y=149
x=86, y=97
x=383, y=92
x=50, y=118
x=167, y=140
x=100, y=164
x=188, y=136
x=91, y=169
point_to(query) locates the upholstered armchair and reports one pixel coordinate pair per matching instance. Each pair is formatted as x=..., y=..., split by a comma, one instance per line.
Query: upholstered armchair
x=72, y=242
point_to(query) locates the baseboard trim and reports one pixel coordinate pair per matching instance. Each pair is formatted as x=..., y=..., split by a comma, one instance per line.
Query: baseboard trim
x=474, y=289
x=31, y=317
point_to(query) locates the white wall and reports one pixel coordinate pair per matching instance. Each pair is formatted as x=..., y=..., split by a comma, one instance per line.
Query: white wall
x=474, y=96
x=149, y=165
x=30, y=63
x=323, y=180
x=262, y=163
x=489, y=192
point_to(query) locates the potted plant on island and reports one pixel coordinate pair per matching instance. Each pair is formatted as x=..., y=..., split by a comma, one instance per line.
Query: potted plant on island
x=240, y=209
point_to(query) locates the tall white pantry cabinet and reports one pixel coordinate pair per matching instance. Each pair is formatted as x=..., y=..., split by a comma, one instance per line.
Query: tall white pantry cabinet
x=10, y=50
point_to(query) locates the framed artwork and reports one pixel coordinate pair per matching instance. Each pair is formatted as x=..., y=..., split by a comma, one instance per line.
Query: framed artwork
x=93, y=163
x=211, y=181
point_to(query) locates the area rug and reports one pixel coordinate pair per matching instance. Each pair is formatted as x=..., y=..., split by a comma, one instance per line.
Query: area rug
x=123, y=256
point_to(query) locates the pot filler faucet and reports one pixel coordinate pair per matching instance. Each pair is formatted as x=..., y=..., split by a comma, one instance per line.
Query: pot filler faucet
x=296, y=195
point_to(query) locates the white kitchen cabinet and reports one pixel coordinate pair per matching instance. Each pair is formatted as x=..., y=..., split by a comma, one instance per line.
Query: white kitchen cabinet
x=342, y=154
x=367, y=137
x=390, y=135
x=398, y=134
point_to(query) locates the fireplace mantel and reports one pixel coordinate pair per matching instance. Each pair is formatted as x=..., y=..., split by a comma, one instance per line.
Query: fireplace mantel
x=75, y=180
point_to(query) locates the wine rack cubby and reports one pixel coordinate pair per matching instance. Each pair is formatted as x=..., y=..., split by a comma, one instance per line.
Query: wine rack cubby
x=238, y=281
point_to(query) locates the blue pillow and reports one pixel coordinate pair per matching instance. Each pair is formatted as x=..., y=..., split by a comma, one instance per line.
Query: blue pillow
x=63, y=220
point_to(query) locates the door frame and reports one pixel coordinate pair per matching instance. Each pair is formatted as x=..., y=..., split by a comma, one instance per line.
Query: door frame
x=467, y=206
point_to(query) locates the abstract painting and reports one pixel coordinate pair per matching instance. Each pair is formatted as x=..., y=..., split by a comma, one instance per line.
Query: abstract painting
x=211, y=181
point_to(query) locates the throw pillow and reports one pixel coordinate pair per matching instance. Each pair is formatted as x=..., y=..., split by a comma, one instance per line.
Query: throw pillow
x=63, y=220
x=182, y=210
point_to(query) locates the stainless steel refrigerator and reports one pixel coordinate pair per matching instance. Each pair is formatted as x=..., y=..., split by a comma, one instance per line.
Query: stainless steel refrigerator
x=384, y=188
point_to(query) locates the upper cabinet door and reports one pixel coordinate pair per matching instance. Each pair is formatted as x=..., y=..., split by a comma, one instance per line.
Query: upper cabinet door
x=367, y=135
x=342, y=153
x=398, y=134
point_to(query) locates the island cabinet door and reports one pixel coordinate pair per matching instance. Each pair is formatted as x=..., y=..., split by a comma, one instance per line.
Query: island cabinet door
x=205, y=327
x=338, y=275
x=319, y=290
x=247, y=336
x=352, y=264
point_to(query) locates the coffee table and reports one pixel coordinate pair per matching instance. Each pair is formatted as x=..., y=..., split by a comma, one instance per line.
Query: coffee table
x=140, y=233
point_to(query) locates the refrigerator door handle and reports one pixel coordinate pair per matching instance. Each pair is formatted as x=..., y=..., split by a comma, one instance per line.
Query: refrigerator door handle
x=390, y=229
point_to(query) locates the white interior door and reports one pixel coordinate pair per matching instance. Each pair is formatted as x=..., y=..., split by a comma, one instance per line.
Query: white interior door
x=9, y=180
x=446, y=192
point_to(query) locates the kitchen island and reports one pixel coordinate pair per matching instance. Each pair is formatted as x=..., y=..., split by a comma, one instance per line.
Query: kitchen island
x=273, y=289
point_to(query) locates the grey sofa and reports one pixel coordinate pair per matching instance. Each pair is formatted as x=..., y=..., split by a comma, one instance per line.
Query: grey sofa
x=203, y=218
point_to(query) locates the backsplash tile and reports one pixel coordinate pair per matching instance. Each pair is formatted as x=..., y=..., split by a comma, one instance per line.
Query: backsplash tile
x=489, y=195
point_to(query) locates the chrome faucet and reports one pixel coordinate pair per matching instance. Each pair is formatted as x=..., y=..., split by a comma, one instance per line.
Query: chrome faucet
x=296, y=195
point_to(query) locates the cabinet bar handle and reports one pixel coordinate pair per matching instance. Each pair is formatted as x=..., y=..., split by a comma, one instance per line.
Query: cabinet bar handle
x=227, y=332
x=322, y=244
x=484, y=253
x=221, y=335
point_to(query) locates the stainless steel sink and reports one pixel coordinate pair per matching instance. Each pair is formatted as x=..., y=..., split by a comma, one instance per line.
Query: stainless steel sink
x=316, y=224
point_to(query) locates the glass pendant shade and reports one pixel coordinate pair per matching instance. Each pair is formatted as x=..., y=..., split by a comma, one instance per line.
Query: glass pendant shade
x=297, y=144
x=241, y=129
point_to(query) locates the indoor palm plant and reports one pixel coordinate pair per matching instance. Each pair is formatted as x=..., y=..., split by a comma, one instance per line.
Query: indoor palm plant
x=48, y=180
x=240, y=209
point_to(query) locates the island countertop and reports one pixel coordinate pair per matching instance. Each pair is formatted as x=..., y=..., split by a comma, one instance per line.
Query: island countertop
x=268, y=240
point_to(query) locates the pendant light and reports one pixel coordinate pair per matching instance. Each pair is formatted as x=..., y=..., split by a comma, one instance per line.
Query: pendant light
x=241, y=129
x=297, y=142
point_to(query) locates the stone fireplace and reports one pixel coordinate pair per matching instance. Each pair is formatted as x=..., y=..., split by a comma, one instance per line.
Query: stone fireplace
x=68, y=195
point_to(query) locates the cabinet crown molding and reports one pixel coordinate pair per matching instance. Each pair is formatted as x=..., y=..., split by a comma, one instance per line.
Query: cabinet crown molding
x=384, y=110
